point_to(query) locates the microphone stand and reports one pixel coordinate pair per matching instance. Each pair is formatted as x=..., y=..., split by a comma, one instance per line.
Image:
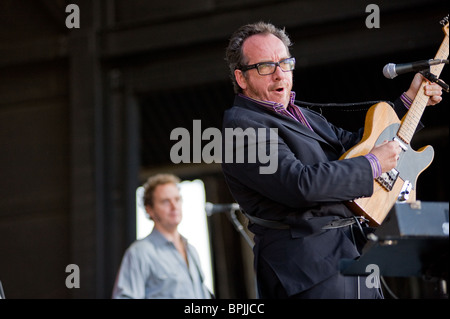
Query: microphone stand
x=238, y=226
x=433, y=78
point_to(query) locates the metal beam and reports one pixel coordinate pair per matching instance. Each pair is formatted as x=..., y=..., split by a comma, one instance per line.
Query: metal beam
x=218, y=24
x=86, y=154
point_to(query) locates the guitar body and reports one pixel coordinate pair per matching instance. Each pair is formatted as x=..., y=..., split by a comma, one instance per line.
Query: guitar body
x=383, y=124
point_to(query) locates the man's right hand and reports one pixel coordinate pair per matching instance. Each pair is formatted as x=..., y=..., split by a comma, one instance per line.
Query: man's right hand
x=387, y=154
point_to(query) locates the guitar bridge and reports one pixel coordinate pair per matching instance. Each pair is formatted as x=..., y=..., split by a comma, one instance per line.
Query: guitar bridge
x=404, y=193
x=387, y=179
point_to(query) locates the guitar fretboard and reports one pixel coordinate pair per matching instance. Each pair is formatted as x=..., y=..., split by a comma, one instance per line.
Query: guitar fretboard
x=412, y=118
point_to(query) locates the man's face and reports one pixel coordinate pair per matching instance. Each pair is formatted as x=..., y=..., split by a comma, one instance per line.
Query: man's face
x=166, y=210
x=275, y=87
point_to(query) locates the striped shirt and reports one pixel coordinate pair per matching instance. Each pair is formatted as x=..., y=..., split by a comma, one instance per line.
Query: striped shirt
x=406, y=100
x=292, y=110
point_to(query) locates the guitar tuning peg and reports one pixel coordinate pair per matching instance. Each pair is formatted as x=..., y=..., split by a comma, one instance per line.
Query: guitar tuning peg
x=444, y=21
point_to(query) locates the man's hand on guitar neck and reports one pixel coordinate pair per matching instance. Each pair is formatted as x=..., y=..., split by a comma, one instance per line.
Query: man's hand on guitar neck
x=433, y=90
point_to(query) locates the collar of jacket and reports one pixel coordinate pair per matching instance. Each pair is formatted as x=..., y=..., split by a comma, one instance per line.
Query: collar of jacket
x=283, y=120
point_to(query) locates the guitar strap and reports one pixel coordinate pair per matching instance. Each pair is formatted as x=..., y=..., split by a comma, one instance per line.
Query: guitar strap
x=344, y=107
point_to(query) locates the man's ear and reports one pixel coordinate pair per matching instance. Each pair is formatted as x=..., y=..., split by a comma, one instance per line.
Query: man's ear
x=149, y=211
x=240, y=79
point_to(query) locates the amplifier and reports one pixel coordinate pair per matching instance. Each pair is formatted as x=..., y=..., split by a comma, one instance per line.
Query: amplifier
x=422, y=219
x=413, y=240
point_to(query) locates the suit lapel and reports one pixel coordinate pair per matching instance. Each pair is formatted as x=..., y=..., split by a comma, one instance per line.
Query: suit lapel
x=283, y=120
x=300, y=128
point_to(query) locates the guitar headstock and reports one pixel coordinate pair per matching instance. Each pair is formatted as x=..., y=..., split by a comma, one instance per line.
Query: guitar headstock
x=444, y=23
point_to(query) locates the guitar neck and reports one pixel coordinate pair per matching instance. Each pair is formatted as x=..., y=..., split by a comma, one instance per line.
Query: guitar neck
x=412, y=118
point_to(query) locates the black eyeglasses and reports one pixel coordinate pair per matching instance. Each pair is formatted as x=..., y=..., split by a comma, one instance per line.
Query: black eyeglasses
x=267, y=68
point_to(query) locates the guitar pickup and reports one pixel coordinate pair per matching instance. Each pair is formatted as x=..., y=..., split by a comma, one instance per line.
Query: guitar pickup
x=387, y=179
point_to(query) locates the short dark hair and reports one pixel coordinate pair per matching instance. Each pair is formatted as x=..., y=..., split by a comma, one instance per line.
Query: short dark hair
x=234, y=55
x=153, y=182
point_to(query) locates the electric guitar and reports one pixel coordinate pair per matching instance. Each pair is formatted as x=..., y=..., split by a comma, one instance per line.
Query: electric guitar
x=382, y=124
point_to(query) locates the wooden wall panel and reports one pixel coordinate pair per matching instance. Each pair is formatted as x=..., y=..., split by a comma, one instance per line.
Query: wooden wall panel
x=34, y=181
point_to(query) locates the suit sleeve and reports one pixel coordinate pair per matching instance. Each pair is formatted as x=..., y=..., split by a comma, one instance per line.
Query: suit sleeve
x=294, y=183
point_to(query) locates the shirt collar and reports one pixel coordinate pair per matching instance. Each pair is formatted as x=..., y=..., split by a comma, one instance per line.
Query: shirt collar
x=159, y=238
x=291, y=110
x=276, y=106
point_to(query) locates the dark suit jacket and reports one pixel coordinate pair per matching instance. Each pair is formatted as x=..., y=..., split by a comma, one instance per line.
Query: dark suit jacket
x=306, y=191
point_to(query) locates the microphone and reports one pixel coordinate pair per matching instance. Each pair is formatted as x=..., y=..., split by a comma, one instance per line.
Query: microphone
x=391, y=70
x=219, y=208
